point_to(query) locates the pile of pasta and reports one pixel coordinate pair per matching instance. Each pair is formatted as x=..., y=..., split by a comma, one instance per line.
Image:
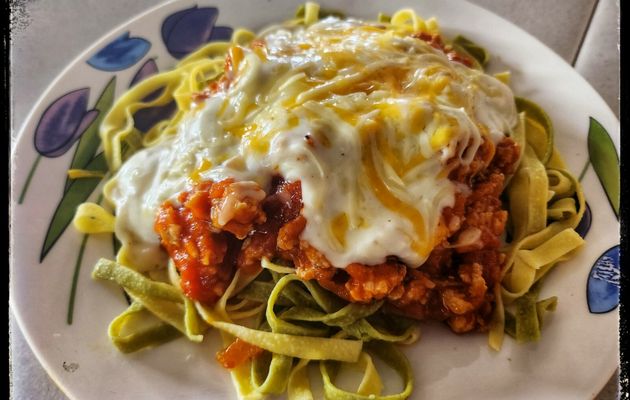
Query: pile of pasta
x=296, y=322
x=545, y=204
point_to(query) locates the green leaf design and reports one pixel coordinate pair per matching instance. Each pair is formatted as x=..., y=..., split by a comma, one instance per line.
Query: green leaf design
x=90, y=140
x=603, y=156
x=77, y=193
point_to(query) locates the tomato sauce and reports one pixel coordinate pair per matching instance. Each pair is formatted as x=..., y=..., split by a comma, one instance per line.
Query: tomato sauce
x=454, y=285
x=198, y=251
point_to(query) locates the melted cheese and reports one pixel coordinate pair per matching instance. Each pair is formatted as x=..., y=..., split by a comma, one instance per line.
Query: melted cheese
x=364, y=117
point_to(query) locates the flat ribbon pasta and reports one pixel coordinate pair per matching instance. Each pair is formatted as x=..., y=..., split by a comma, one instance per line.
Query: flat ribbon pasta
x=546, y=205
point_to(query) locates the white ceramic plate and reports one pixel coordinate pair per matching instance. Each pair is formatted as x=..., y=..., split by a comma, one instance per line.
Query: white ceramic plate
x=573, y=360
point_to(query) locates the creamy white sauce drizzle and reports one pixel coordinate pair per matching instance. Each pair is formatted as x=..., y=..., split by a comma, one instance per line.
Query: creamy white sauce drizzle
x=321, y=108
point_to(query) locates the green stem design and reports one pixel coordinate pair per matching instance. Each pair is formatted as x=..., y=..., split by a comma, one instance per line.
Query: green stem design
x=588, y=164
x=28, y=178
x=77, y=269
x=75, y=279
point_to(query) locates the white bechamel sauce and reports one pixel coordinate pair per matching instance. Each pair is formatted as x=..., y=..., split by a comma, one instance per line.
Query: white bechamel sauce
x=349, y=110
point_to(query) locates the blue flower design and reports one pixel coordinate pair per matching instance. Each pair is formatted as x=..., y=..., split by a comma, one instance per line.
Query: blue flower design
x=186, y=30
x=121, y=53
x=602, y=290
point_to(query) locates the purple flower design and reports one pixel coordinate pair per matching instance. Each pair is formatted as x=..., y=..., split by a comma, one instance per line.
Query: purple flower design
x=63, y=122
x=221, y=33
x=146, y=70
x=59, y=127
x=186, y=30
x=120, y=54
x=145, y=118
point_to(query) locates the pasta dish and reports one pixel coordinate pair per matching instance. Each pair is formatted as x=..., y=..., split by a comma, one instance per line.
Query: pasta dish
x=322, y=186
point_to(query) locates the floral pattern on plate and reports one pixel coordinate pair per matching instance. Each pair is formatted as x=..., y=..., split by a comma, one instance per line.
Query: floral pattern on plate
x=120, y=54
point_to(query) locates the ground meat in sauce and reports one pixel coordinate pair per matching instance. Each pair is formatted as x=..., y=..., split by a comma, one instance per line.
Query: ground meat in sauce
x=204, y=255
x=454, y=285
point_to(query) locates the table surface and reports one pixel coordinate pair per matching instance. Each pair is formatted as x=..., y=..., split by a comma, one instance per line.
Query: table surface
x=583, y=32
